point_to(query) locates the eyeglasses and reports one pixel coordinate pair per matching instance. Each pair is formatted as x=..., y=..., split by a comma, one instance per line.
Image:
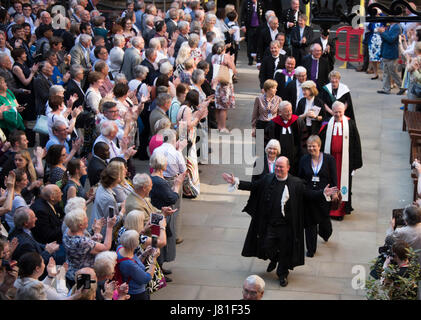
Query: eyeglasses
x=112, y=111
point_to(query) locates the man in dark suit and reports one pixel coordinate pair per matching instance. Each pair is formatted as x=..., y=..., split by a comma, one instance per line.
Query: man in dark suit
x=271, y=63
x=42, y=84
x=172, y=21
x=74, y=85
x=183, y=28
x=149, y=31
x=98, y=162
x=289, y=19
x=301, y=37
x=148, y=62
x=25, y=220
x=267, y=35
x=293, y=91
x=49, y=217
x=328, y=47
x=251, y=20
x=284, y=76
x=317, y=67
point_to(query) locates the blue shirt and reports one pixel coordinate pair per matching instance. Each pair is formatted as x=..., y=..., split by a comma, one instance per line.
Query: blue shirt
x=57, y=76
x=54, y=140
x=134, y=269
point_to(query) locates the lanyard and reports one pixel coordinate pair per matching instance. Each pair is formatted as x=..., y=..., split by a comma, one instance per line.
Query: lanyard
x=317, y=168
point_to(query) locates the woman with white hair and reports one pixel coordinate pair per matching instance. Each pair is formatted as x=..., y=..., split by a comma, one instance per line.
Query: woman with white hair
x=116, y=54
x=104, y=267
x=138, y=85
x=131, y=268
x=272, y=152
x=210, y=25
x=80, y=246
x=167, y=69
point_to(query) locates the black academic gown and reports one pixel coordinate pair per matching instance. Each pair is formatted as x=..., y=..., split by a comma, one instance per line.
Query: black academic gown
x=290, y=142
x=265, y=198
x=329, y=98
x=355, y=154
x=315, y=125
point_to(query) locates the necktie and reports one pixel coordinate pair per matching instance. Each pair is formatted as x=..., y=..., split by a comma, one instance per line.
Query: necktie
x=314, y=70
x=114, y=149
x=289, y=78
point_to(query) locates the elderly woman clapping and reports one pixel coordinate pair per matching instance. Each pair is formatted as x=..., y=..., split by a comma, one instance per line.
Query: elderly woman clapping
x=104, y=267
x=132, y=269
x=80, y=246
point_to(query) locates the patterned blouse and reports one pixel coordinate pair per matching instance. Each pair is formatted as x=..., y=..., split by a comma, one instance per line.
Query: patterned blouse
x=262, y=107
x=78, y=253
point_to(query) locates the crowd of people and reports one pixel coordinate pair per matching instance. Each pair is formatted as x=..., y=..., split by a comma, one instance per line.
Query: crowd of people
x=84, y=93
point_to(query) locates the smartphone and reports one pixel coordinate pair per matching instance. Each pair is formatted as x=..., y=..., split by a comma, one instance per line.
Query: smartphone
x=83, y=280
x=155, y=227
x=110, y=212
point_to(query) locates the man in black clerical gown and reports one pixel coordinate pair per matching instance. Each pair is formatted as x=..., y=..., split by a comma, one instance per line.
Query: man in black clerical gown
x=276, y=229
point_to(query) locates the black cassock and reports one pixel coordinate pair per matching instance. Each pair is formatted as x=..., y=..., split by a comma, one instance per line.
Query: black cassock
x=342, y=94
x=289, y=137
x=263, y=204
x=354, y=155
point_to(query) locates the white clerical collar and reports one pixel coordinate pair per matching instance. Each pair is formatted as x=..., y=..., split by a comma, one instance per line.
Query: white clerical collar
x=280, y=179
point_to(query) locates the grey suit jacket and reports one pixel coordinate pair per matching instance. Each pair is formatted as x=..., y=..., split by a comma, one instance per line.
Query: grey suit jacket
x=103, y=200
x=155, y=115
x=78, y=57
x=131, y=59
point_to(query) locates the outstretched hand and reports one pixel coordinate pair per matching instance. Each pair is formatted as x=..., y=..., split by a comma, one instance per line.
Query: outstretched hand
x=228, y=177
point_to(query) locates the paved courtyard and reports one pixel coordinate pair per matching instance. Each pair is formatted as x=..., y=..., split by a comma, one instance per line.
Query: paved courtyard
x=209, y=264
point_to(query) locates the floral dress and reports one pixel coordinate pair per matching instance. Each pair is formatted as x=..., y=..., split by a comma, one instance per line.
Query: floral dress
x=224, y=97
x=375, y=43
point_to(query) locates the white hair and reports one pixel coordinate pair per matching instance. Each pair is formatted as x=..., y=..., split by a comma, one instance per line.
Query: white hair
x=268, y=14
x=158, y=161
x=284, y=104
x=169, y=136
x=273, y=143
x=31, y=290
x=300, y=70
x=107, y=127
x=337, y=103
x=54, y=89
x=74, y=219
x=105, y=263
x=155, y=43
x=130, y=240
x=118, y=39
x=141, y=180
x=166, y=68
x=135, y=41
x=85, y=38
x=74, y=204
x=255, y=280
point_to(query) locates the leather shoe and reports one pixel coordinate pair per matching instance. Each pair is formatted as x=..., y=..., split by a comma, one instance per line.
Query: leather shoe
x=383, y=92
x=271, y=266
x=167, y=279
x=283, y=282
x=401, y=91
x=310, y=254
x=179, y=240
x=374, y=78
x=166, y=271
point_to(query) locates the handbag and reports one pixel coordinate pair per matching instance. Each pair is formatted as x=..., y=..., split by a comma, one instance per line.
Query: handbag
x=41, y=126
x=158, y=279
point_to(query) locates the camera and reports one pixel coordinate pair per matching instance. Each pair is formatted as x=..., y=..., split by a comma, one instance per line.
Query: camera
x=84, y=281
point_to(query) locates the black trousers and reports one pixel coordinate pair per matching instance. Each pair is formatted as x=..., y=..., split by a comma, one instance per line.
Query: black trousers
x=366, y=57
x=252, y=37
x=278, y=247
x=324, y=229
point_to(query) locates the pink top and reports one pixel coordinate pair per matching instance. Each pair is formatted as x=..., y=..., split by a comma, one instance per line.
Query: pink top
x=156, y=141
